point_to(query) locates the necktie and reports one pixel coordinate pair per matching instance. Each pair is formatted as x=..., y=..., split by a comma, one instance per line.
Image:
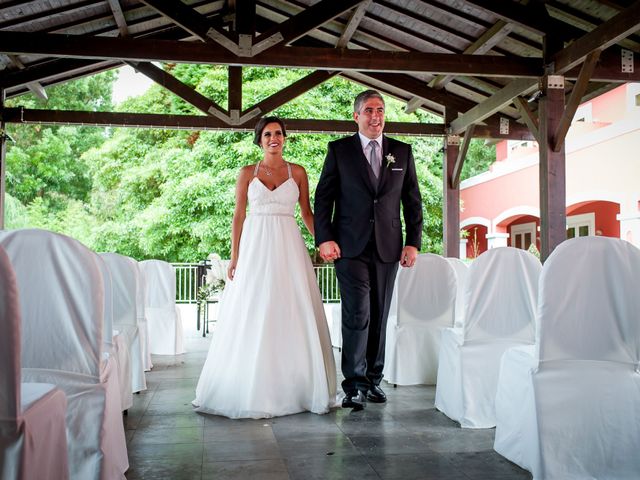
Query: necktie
x=374, y=157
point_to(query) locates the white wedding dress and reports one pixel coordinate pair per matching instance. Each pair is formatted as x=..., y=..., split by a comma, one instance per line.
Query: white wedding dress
x=270, y=353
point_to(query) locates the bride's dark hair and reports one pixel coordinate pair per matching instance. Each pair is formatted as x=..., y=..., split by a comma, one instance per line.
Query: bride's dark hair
x=263, y=122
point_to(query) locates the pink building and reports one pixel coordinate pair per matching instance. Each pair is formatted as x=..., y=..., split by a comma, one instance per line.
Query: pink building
x=501, y=207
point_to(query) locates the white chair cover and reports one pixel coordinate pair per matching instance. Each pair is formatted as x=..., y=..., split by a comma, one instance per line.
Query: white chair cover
x=422, y=305
x=62, y=305
x=164, y=323
x=117, y=345
x=33, y=441
x=124, y=273
x=569, y=407
x=500, y=303
x=462, y=270
x=141, y=293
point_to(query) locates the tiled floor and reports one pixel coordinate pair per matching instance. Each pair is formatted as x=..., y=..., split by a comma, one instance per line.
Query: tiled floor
x=406, y=438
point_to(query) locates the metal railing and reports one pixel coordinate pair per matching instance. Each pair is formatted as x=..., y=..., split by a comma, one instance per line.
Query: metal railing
x=186, y=282
x=187, y=285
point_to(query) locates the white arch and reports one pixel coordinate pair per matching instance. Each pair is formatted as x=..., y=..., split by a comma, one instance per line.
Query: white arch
x=485, y=222
x=599, y=196
x=519, y=210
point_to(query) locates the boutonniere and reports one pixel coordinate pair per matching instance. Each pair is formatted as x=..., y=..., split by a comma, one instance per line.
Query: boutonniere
x=390, y=159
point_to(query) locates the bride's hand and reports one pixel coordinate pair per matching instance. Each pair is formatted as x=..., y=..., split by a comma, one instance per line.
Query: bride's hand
x=231, y=269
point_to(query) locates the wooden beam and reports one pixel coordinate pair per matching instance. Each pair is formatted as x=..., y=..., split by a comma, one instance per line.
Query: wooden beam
x=516, y=132
x=118, y=16
x=299, y=25
x=42, y=71
x=3, y=157
x=609, y=67
x=180, y=89
x=552, y=169
x=200, y=122
x=35, y=87
x=292, y=91
x=462, y=153
x=496, y=102
x=298, y=57
x=418, y=88
x=528, y=117
x=352, y=25
x=610, y=32
x=492, y=36
x=451, y=195
x=575, y=99
x=245, y=25
x=235, y=90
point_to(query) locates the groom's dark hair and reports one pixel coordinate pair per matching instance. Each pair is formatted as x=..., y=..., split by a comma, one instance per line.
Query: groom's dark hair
x=363, y=97
x=263, y=122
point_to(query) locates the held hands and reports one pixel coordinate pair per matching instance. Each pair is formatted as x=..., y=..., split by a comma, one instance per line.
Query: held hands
x=329, y=251
x=408, y=256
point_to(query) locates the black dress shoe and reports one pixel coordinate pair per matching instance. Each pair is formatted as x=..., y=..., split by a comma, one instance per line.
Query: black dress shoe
x=376, y=395
x=354, y=400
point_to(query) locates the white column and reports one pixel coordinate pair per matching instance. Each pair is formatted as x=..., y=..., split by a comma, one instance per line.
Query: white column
x=463, y=248
x=629, y=218
x=496, y=240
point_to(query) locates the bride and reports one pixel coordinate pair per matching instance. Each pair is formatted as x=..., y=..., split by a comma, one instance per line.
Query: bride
x=270, y=354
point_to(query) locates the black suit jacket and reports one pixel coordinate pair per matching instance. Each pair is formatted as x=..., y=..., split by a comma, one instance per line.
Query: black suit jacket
x=351, y=205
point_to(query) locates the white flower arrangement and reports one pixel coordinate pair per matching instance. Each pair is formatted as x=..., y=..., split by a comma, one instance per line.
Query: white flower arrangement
x=215, y=279
x=390, y=159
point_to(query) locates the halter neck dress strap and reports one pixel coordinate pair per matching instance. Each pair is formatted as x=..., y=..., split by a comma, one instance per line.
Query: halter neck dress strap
x=255, y=170
x=289, y=169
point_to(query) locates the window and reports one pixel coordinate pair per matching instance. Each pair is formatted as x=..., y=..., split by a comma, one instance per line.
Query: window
x=581, y=225
x=523, y=235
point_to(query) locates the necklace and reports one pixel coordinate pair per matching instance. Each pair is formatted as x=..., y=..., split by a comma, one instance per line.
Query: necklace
x=268, y=170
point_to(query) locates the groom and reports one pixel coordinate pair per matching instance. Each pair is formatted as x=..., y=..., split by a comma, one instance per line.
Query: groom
x=365, y=180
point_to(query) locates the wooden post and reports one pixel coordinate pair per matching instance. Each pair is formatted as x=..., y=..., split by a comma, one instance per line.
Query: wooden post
x=451, y=198
x=553, y=219
x=3, y=156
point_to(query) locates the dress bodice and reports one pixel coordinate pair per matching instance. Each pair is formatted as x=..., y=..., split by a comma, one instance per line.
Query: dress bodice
x=280, y=201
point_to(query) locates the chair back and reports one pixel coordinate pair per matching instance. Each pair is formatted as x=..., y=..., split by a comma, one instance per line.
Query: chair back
x=160, y=283
x=61, y=301
x=462, y=270
x=124, y=273
x=501, y=295
x=9, y=342
x=426, y=292
x=589, y=302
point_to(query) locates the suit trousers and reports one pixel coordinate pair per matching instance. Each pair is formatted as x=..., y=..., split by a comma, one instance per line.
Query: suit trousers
x=366, y=285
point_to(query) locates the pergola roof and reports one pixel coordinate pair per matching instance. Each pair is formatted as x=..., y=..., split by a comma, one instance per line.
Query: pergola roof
x=473, y=62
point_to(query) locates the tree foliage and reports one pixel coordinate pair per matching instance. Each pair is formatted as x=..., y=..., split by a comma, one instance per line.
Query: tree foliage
x=151, y=193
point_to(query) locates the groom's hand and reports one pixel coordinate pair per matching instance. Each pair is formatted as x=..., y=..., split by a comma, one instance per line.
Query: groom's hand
x=329, y=251
x=408, y=256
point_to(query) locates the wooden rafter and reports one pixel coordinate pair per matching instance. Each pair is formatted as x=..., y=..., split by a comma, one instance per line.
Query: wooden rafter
x=193, y=22
x=292, y=91
x=118, y=15
x=180, y=89
x=35, y=87
x=528, y=117
x=299, y=57
x=299, y=25
x=493, y=104
x=352, y=25
x=605, y=35
x=486, y=42
x=577, y=93
x=462, y=153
